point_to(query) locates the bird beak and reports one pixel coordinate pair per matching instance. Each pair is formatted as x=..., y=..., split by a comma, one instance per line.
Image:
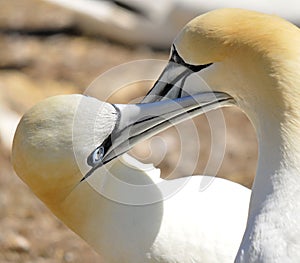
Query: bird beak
x=137, y=122
x=171, y=83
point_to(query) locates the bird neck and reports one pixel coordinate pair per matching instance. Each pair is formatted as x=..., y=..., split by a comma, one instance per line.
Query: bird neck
x=276, y=189
x=117, y=230
x=278, y=162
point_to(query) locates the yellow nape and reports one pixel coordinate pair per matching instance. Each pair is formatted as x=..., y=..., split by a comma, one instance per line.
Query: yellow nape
x=42, y=143
x=236, y=30
x=45, y=144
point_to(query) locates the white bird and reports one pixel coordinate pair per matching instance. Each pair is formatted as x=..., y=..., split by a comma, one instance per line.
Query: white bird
x=124, y=210
x=146, y=22
x=255, y=58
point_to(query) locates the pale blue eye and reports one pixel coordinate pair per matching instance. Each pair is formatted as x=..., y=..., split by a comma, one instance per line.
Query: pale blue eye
x=98, y=154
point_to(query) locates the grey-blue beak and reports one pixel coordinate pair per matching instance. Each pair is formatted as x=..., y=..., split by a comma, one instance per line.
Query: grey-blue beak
x=137, y=122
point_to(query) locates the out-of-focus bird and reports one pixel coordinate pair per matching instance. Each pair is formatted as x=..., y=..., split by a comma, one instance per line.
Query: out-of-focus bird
x=143, y=22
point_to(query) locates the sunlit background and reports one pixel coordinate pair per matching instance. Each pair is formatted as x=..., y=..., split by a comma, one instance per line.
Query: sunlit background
x=46, y=50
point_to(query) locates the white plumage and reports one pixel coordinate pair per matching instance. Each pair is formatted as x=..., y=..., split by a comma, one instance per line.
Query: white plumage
x=246, y=58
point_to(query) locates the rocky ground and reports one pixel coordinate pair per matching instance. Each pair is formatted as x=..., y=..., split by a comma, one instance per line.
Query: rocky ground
x=43, y=54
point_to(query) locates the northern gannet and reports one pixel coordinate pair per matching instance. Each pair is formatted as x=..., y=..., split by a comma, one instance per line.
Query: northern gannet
x=124, y=210
x=141, y=22
x=255, y=58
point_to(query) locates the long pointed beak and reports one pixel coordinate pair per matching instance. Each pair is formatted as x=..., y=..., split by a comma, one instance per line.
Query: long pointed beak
x=138, y=122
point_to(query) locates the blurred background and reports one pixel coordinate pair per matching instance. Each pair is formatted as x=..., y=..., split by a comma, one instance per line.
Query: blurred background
x=59, y=47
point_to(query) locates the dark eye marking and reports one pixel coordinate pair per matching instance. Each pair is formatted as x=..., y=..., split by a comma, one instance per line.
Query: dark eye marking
x=176, y=58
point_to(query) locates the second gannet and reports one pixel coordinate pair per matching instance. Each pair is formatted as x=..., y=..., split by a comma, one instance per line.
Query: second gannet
x=255, y=58
x=124, y=210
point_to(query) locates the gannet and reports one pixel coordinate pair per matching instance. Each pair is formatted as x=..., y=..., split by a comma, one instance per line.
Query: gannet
x=143, y=23
x=255, y=59
x=123, y=209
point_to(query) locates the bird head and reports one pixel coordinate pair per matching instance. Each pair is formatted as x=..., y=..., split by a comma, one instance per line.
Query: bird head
x=52, y=136
x=251, y=56
x=62, y=140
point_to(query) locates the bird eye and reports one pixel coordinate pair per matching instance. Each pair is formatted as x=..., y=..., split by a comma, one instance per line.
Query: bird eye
x=98, y=154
